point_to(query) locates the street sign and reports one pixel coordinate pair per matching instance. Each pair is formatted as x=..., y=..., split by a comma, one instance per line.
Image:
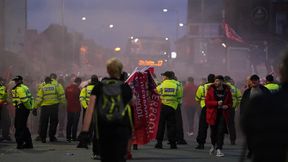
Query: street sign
x=260, y=15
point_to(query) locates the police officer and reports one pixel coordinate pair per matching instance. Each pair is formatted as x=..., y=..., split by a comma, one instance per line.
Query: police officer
x=179, y=121
x=271, y=84
x=170, y=91
x=23, y=102
x=3, y=96
x=48, y=98
x=84, y=99
x=236, y=97
x=200, y=97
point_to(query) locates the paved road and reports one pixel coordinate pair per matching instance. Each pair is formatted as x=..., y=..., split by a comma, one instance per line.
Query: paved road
x=67, y=152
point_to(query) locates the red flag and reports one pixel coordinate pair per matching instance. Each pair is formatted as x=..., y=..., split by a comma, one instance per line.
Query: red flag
x=230, y=33
x=146, y=107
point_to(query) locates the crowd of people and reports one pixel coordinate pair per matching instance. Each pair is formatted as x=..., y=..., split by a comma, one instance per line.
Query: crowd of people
x=216, y=101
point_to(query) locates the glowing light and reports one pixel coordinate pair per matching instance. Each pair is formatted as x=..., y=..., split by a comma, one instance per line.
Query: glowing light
x=181, y=24
x=111, y=26
x=150, y=63
x=173, y=55
x=165, y=10
x=224, y=45
x=83, y=18
x=117, y=49
x=167, y=38
x=136, y=40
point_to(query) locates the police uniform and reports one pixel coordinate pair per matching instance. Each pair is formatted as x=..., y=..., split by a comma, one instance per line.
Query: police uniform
x=169, y=91
x=3, y=97
x=179, y=121
x=236, y=97
x=23, y=102
x=273, y=87
x=203, y=126
x=48, y=98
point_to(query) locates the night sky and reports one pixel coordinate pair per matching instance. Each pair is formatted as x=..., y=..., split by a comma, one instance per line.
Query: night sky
x=130, y=18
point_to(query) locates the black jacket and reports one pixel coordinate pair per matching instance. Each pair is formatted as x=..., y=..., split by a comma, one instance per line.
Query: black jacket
x=246, y=97
x=265, y=125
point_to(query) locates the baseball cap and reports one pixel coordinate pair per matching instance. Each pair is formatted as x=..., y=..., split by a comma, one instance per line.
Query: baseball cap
x=18, y=78
x=169, y=74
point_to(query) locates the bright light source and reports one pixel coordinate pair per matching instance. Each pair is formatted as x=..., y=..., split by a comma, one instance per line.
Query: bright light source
x=173, y=55
x=166, y=60
x=83, y=18
x=117, y=49
x=181, y=24
x=165, y=53
x=111, y=26
x=167, y=38
x=165, y=10
x=136, y=40
x=224, y=45
x=131, y=37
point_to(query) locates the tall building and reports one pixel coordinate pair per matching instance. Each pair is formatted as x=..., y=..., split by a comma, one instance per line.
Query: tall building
x=13, y=24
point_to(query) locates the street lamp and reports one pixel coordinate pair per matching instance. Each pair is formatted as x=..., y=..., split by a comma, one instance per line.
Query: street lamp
x=111, y=26
x=83, y=18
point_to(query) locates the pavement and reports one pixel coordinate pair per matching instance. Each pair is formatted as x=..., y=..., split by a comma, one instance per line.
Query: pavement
x=63, y=151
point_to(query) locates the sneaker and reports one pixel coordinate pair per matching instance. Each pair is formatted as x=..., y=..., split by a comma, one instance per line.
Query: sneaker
x=200, y=147
x=190, y=133
x=219, y=153
x=95, y=157
x=212, y=150
x=158, y=145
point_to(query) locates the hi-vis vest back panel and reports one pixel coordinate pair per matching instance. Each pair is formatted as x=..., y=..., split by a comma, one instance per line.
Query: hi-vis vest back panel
x=60, y=90
x=21, y=95
x=47, y=95
x=169, y=93
x=201, y=93
x=236, y=95
x=85, y=95
x=3, y=94
x=273, y=87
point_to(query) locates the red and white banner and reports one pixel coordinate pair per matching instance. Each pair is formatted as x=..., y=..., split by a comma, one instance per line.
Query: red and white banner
x=146, y=106
x=230, y=33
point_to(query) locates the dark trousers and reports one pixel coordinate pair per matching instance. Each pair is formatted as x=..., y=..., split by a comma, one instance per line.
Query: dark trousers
x=62, y=119
x=231, y=125
x=179, y=124
x=72, y=125
x=5, y=121
x=190, y=114
x=113, y=143
x=203, y=126
x=167, y=115
x=22, y=133
x=218, y=131
x=49, y=114
x=95, y=141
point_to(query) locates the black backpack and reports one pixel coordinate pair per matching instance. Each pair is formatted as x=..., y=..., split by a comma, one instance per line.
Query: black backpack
x=110, y=105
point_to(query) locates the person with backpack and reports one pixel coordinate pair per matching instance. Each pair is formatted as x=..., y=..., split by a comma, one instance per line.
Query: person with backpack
x=109, y=108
